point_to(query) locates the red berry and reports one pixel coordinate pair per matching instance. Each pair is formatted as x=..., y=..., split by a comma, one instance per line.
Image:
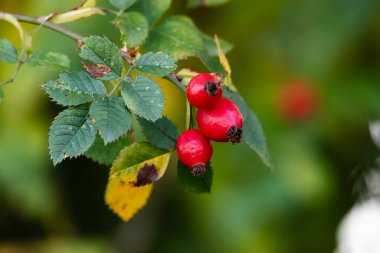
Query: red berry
x=297, y=100
x=194, y=150
x=203, y=90
x=221, y=122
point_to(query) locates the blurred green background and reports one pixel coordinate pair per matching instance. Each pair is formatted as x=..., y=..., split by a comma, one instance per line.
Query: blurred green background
x=330, y=46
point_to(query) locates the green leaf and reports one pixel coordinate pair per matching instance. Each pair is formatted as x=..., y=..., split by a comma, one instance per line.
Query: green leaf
x=122, y=4
x=195, y=184
x=111, y=118
x=71, y=134
x=253, y=133
x=106, y=154
x=144, y=98
x=74, y=88
x=103, y=53
x=49, y=60
x=159, y=64
x=212, y=63
x=162, y=133
x=8, y=52
x=1, y=94
x=135, y=154
x=152, y=9
x=198, y=3
x=177, y=36
x=133, y=27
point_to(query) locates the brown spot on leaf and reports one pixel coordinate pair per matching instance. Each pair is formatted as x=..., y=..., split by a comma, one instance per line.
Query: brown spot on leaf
x=146, y=175
x=97, y=71
x=179, y=78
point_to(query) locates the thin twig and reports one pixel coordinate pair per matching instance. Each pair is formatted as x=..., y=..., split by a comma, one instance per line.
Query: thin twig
x=106, y=10
x=19, y=65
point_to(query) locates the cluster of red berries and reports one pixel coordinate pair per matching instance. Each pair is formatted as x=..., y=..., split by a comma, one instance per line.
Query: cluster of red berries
x=218, y=119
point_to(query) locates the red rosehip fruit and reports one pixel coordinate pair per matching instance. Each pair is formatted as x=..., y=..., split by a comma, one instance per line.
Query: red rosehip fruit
x=297, y=101
x=221, y=122
x=203, y=90
x=194, y=150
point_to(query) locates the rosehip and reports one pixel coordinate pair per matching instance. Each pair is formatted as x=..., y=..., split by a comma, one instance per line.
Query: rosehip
x=221, y=122
x=194, y=150
x=203, y=90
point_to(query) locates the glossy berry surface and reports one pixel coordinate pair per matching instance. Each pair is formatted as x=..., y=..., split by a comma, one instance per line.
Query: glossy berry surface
x=203, y=90
x=221, y=122
x=194, y=150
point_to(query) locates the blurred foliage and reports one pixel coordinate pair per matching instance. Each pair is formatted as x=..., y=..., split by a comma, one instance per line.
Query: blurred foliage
x=331, y=44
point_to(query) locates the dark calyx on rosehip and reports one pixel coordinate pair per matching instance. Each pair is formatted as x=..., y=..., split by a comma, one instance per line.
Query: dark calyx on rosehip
x=194, y=150
x=204, y=90
x=211, y=88
x=221, y=122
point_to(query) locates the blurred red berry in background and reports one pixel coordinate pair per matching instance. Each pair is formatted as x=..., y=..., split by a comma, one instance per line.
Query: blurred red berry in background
x=297, y=100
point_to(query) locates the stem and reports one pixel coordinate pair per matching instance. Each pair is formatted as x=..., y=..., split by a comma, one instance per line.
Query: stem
x=122, y=79
x=189, y=116
x=41, y=21
x=174, y=80
x=20, y=63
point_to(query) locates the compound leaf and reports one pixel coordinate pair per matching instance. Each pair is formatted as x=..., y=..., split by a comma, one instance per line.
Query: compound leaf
x=71, y=134
x=111, y=118
x=74, y=88
x=133, y=28
x=162, y=133
x=144, y=98
x=152, y=9
x=106, y=154
x=49, y=60
x=8, y=52
x=253, y=133
x=103, y=53
x=192, y=183
x=158, y=64
x=122, y=4
x=176, y=36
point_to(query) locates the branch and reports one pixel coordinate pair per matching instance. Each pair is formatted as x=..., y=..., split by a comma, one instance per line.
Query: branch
x=119, y=83
x=42, y=21
x=73, y=35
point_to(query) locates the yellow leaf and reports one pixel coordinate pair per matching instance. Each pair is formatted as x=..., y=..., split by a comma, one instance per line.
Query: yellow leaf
x=25, y=38
x=85, y=10
x=222, y=57
x=12, y=20
x=131, y=178
x=125, y=199
x=226, y=65
x=89, y=4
